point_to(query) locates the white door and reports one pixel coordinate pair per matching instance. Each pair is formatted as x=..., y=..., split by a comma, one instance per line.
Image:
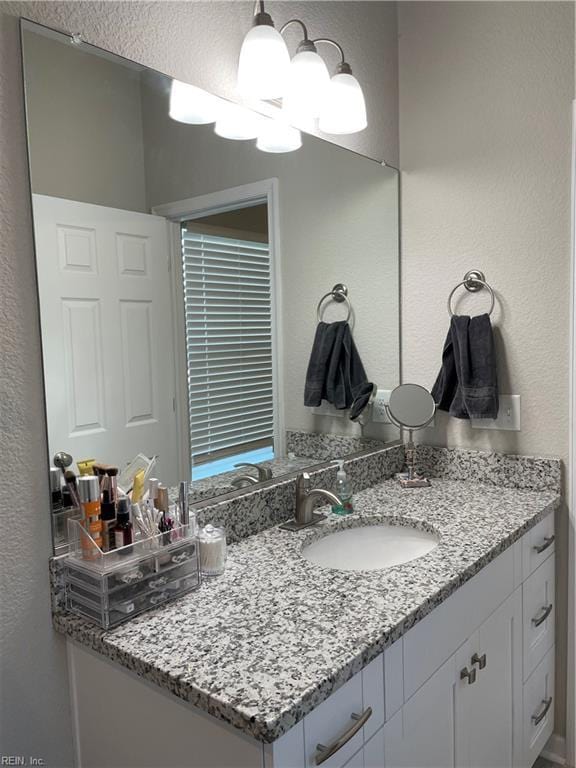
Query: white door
x=421, y=734
x=489, y=710
x=105, y=303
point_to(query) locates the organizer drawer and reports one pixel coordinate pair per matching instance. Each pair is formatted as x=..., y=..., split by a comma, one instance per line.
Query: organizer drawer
x=539, y=610
x=538, y=708
x=537, y=545
x=110, y=613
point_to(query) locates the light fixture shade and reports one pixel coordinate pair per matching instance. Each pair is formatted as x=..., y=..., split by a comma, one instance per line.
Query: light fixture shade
x=276, y=136
x=238, y=123
x=189, y=104
x=306, y=86
x=344, y=107
x=263, y=65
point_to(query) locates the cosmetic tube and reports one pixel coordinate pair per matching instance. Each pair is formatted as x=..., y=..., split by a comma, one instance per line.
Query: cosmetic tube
x=89, y=492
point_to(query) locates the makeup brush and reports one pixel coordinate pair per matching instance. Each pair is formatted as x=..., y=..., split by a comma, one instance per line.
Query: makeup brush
x=70, y=479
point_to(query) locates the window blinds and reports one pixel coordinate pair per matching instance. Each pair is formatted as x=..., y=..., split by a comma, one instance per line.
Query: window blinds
x=228, y=307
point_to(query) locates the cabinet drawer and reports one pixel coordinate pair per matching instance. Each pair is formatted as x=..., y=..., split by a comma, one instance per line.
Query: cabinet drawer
x=373, y=694
x=330, y=721
x=431, y=642
x=537, y=545
x=538, y=708
x=538, y=609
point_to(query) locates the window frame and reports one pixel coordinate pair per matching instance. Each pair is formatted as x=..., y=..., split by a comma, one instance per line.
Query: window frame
x=258, y=193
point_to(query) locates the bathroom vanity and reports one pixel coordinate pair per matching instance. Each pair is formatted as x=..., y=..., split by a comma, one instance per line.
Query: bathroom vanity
x=447, y=660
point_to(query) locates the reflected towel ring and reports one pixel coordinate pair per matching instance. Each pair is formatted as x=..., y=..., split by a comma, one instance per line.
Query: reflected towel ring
x=339, y=293
x=474, y=281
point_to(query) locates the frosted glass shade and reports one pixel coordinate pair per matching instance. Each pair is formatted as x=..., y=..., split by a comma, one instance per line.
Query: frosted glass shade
x=306, y=86
x=189, y=104
x=238, y=123
x=344, y=108
x=276, y=136
x=264, y=61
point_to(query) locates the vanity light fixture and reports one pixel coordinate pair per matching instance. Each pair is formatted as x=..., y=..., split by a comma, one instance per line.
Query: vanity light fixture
x=344, y=107
x=277, y=136
x=307, y=81
x=264, y=59
x=238, y=123
x=192, y=105
x=304, y=84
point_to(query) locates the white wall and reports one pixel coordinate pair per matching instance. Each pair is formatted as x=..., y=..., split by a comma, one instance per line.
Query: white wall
x=35, y=716
x=485, y=125
x=338, y=223
x=84, y=125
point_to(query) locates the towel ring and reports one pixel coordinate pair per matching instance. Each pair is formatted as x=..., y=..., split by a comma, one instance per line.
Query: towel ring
x=474, y=281
x=339, y=293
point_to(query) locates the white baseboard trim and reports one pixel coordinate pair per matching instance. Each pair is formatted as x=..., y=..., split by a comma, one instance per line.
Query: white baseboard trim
x=555, y=749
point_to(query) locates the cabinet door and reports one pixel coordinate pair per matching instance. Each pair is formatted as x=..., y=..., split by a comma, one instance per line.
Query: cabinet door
x=488, y=709
x=421, y=734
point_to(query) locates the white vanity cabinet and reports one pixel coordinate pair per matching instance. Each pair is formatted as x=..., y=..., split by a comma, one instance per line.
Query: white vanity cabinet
x=469, y=686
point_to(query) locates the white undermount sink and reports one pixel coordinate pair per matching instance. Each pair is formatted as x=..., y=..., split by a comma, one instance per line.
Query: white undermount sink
x=370, y=547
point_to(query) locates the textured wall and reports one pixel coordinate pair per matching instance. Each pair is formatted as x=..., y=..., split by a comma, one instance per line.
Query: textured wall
x=186, y=40
x=485, y=125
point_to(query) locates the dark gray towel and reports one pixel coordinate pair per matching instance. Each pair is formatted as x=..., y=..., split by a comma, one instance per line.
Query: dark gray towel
x=335, y=371
x=467, y=385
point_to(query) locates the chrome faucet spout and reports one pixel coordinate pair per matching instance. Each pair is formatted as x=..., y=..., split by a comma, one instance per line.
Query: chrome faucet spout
x=305, y=498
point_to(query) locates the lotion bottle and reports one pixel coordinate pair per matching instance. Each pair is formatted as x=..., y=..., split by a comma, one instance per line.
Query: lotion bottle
x=343, y=491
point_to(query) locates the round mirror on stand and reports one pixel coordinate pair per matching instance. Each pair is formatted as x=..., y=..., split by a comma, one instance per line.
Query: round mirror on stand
x=411, y=407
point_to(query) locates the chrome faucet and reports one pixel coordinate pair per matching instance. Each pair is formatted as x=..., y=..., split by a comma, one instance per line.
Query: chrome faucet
x=264, y=473
x=305, y=498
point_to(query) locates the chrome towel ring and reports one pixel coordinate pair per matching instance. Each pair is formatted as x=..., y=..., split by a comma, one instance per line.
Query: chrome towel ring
x=339, y=294
x=474, y=281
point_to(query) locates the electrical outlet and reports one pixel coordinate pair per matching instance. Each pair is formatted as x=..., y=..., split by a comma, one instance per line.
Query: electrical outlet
x=379, y=413
x=508, y=415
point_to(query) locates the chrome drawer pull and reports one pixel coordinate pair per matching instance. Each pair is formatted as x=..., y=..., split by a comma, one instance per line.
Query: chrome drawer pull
x=537, y=620
x=480, y=660
x=541, y=715
x=468, y=674
x=327, y=752
x=548, y=541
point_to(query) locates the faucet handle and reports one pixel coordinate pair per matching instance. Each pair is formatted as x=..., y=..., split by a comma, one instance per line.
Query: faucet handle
x=264, y=473
x=303, y=482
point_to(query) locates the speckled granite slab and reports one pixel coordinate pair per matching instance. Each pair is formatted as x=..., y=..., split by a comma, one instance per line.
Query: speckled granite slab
x=265, y=643
x=324, y=447
x=534, y=473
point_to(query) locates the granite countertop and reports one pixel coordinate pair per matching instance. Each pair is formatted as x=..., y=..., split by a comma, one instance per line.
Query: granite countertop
x=265, y=643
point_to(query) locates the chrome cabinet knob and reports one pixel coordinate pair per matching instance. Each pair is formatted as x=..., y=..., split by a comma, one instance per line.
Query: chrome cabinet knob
x=480, y=660
x=468, y=674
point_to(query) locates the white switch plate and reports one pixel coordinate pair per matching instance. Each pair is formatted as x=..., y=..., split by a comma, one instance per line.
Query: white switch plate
x=508, y=415
x=379, y=414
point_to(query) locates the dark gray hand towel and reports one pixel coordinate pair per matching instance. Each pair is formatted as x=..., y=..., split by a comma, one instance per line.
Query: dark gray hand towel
x=467, y=385
x=335, y=371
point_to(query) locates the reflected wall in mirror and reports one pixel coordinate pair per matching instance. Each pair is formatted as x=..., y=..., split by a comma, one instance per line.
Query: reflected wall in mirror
x=179, y=275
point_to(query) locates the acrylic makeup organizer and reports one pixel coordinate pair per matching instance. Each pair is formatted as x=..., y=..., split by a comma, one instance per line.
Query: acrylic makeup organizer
x=111, y=587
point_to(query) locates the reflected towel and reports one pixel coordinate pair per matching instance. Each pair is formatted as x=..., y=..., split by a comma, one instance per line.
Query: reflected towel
x=467, y=384
x=335, y=371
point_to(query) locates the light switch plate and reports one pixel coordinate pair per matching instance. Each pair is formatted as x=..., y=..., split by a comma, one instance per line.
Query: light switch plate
x=379, y=414
x=508, y=415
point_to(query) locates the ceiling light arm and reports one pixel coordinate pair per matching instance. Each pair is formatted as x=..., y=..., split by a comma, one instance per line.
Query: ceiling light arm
x=261, y=18
x=343, y=67
x=295, y=21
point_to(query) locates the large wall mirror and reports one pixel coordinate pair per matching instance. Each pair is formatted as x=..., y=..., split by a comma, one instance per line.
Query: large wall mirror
x=179, y=276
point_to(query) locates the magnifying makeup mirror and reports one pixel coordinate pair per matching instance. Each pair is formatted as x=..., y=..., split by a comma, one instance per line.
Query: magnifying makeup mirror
x=411, y=407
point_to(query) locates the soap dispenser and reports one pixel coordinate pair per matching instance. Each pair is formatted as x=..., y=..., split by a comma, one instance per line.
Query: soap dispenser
x=343, y=491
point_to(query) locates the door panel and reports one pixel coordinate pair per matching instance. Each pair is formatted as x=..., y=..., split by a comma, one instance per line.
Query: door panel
x=105, y=302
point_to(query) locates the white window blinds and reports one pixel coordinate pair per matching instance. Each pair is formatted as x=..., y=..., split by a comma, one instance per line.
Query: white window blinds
x=228, y=306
